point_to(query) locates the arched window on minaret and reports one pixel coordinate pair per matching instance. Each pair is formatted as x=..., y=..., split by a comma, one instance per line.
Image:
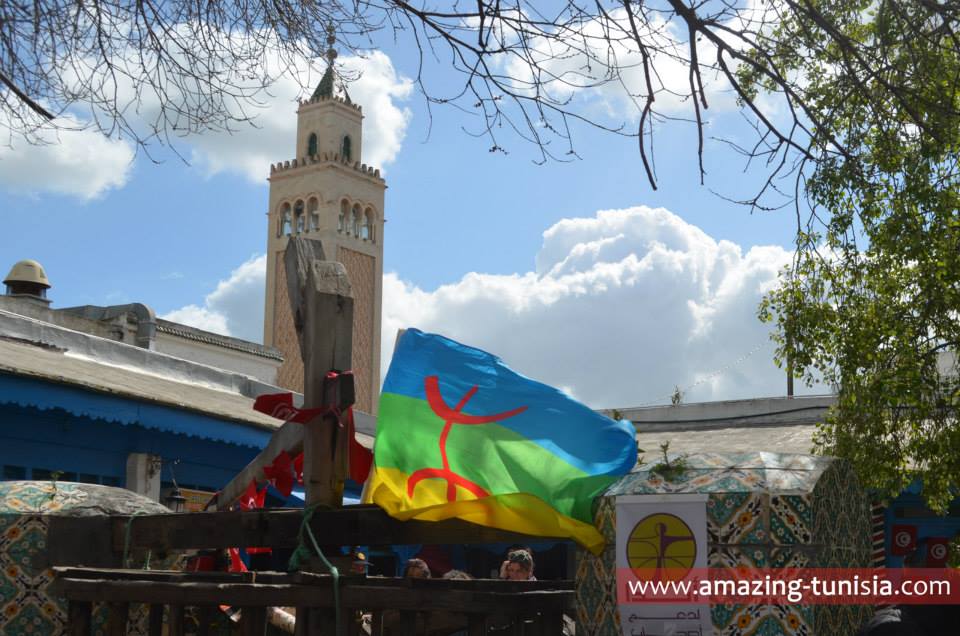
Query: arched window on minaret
x=284, y=227
x=299, y=220
x=312, y=145
x=366, y=230
x=346, y=149
x=313, y=214
x=357, y=216
x=343, y=223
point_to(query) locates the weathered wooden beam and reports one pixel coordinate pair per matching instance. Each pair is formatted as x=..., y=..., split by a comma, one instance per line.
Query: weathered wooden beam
x=260, y=595
x=352, y=525
x=288, y=437
x=321, y=301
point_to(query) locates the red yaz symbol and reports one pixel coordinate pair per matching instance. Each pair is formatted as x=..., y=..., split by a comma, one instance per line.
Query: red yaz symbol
x=452, y=416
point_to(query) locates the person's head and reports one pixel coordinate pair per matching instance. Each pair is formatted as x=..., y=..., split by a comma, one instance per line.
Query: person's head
x=360, y=563
x=457, y=574
x=416, y=569
x=519, y=566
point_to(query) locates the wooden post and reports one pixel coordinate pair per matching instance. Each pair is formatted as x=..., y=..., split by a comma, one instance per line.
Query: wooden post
x=79, y=618
x=253, y=621
x=156, y=620
x=117, y=616
x=322, y=305
x=175, y=622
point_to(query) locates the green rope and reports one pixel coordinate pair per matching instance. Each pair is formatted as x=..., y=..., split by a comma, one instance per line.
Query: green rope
x=302, y=553
x=126, y=543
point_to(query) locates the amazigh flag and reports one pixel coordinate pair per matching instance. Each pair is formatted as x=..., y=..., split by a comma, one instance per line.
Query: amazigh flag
x=459, y=434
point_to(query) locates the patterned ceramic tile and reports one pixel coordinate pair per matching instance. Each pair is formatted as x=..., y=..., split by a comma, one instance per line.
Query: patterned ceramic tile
x=25, y=605
x=764, y=509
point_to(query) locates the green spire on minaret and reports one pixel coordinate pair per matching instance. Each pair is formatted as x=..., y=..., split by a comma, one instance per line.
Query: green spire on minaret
x=325, y=88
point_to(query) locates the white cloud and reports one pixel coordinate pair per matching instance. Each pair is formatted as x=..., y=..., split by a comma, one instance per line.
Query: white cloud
x=234, y=308
x=251, y=148
x=623, y=306
x=64, y=158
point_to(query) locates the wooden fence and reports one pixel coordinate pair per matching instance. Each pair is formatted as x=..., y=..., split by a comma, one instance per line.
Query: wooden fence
x=388, y=605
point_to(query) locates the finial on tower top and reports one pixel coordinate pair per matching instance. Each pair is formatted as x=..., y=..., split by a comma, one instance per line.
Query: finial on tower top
x=326, y=87
x=331, y=40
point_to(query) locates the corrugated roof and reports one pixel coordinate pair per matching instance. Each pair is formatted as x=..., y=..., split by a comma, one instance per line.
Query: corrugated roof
x=46, y=363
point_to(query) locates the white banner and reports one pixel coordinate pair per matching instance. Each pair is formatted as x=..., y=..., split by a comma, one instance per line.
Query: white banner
x=657, y=532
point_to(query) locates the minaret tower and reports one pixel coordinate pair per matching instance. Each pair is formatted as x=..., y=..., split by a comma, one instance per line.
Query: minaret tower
x=327, y=193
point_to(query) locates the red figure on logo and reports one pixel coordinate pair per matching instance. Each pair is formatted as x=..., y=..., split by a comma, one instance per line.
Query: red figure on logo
x=452, y=416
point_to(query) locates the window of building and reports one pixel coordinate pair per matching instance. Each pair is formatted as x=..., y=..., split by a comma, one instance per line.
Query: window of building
x=299, y=219
x=284, y=228
x=45, y=474
x=14, y=472
x=357, y=215
x=312, y=145
x=366, y=230
x=313, y=213
x=346, y=150
x=342, y=220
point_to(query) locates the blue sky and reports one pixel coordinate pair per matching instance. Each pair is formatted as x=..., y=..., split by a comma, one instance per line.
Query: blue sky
x=481, y=242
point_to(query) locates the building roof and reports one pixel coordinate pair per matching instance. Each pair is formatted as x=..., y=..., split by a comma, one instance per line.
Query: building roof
x=740, y=472
x=208, y=337
x=776, y=425
x=49, y=364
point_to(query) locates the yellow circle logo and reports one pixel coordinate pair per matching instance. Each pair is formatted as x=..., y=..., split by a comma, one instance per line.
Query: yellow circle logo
x=661, y=547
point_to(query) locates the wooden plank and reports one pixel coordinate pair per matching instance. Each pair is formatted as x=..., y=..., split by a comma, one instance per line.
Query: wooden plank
x=117, y=616
x=204, y=614
x=351, y=525
x=312, y=578
x=79, y=615
x=408, y=623
x=288, y=437
x=175, y=620
x=302, y=626
x=476, y=625
x=260, y=595
x=551, y=623
x=79, y=540
x=322, y=622
x=253, y=620
x=156, y=620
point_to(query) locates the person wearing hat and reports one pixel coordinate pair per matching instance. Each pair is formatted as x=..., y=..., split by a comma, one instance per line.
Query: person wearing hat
x=360, y=564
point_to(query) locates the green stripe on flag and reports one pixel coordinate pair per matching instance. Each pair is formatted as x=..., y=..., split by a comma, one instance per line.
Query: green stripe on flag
x=496, y=458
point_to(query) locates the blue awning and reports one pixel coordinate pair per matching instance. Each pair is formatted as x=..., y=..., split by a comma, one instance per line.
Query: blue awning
x=32, y=392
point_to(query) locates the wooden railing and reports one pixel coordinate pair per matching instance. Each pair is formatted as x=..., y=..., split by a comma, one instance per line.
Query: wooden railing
x=395, y=606
x=389, y=606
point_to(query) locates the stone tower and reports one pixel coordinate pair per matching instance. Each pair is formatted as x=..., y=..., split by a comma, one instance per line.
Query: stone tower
x=328, y=193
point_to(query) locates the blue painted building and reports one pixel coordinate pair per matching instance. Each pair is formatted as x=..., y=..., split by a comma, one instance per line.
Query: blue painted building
x=80, y=405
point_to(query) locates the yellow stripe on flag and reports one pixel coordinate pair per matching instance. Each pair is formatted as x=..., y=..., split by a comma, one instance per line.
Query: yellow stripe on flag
x=516, y=512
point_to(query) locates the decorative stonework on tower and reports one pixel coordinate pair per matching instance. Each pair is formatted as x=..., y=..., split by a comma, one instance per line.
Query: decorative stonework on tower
x=327, y=193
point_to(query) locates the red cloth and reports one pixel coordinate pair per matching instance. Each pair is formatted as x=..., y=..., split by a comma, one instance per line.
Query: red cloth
x=280, y=473
x=236, y=563
x=251, y=499
x=280, y=406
